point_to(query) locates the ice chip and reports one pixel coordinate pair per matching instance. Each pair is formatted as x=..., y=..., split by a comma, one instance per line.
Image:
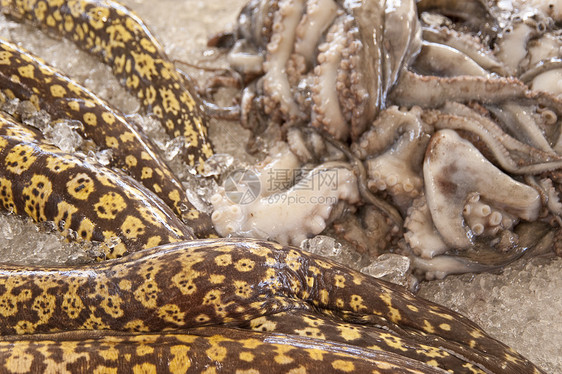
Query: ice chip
x=104, y=156
x=393, y=268
x=217, y=164
x=63, y=135
x=323, y=246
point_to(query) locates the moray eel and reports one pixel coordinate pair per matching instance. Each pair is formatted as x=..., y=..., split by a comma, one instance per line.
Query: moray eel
x=213, y=350
x=433, y=351
x=28, y=78
x=85, y=200
x=232, y=282
x=115, y=34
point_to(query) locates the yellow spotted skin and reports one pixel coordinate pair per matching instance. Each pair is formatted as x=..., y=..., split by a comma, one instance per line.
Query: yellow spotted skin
x=330, y=328
x=209, y=350
x=28, y=78
x=120, y=38
x=236, y=282
x=85, y=200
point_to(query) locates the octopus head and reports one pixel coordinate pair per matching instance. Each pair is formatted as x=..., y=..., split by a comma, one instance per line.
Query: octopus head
x=468, y=196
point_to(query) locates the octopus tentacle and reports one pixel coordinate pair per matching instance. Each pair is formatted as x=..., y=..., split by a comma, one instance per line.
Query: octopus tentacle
x=85, y=200
x=255, y=22
x=363, y=69
x=386, y=129
x=530, y=76
x=485, y=220
x=368, y=197
x=116, y=35
x=521, y=125
x=553, y=199
x=327, y=113
x=421, y=234
x=441, y=266
x=292, y=215
x=275, y=82
x=547, y=81
x=365, y=63
x=475, y=13
x=504, y=148
x=28, y=78
x=511, y=48
x=444, y=61
x=464, y=43
x=433, y=92
x=394, y=148
x=402, y=39
x=398, y=170
x=319, y=15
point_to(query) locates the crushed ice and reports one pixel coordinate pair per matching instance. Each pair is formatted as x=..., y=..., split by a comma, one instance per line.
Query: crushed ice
x=26, y=243
x=393, y=268
x=522, y=307
x=328, y=247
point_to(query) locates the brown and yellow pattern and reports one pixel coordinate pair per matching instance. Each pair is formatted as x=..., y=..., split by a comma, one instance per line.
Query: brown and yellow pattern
x=237, y=282
x=431, y=350
x=116, y=35
x=209, y=350
x=85, y=200
x=28, y=78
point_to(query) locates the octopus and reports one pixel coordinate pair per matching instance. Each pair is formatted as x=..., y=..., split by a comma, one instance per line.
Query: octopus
x=312, y=200
x=321, y=59
x=171, y=299
x=441, y=109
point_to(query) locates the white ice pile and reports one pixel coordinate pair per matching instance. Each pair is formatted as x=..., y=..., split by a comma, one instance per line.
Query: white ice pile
x=521, y=307
x=23, y=242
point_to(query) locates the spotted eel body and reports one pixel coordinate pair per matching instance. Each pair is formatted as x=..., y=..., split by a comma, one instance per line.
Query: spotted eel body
x=84, y=199
x=116, y=35
x=209, y=350
x=28, y=78
x=234, y=282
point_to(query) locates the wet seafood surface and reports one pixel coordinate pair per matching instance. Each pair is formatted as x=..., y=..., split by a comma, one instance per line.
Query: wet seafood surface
x=184, y=40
